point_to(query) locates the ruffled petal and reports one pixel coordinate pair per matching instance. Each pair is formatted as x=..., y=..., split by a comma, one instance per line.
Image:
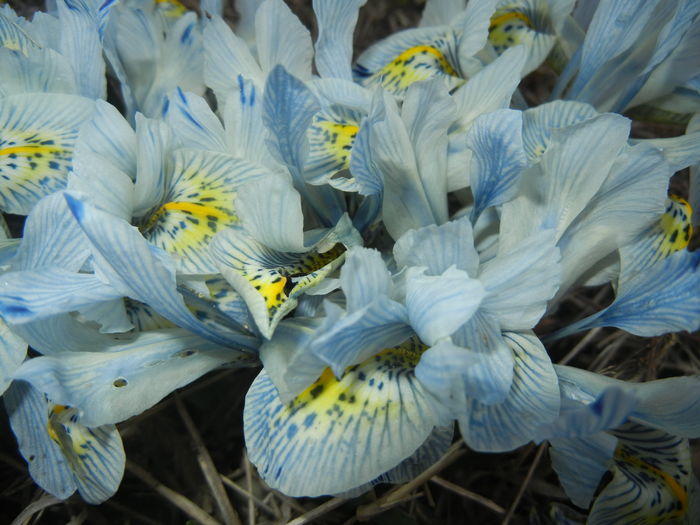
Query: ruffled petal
x=439, y=305
x=439, y=247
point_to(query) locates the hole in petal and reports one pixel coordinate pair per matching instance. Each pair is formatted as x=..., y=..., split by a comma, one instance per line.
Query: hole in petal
x=184, y=353
x=120, y=382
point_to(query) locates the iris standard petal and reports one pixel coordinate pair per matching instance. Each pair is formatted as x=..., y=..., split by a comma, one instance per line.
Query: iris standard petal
x=498, y=158
x=439, y=247
x=336, y=24
x=439, y=305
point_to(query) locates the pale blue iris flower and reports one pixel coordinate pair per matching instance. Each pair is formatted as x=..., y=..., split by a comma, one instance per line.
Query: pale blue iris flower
x=409, y=340
x=57, y=52
x=152, y=52
x=633, y=53
x=639, y=432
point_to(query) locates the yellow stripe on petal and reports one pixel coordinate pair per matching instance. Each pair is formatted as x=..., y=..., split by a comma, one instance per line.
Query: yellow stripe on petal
x=670, y=234
x=417, y=63
x=94, y=455
x=330, y=143
x=171, y=8
x=199, y=203
x=340, y=433
x=276, y=285
x=34, y=163
x=509, y=28
x=676, y=226
x=651, y=479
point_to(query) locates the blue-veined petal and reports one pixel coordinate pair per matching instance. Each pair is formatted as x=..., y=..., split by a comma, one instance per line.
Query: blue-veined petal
x=438, y=305
x=62, y=453
x=671, y=404
x=441, y=12
x=288, y=109
x=631, y=197
x=439, y=247
x=63, y=333
x=336, y=24
x=198, y=204
x=534, y=23
x=364, y=277
x=41, y=71
x=80, y=43
x=106, y=186
x=193, y=122
x=660, y=299
x=37, y=139
x=533, y=400
x=427, y=113
x=615, y=26
x=340, y=434
x=406, y=204
x=331, y=141
x=539, y=123
x=426, y=455
x=581, y=464
x=110, y=387
x=652, y=475
x=30, y=295
x=660, y=239
x=371, y=320
x=109, y=135
x=154, y=140
x=52, y=237
x=140, y=271
x=13, y=37
x=244, y=130
x=12, y=351
x=290, y=48
x=111, y=316
x=499, y=158
x=226, y=57
x=681, y=151
x=490, y=378
x=673, y=61
x=520, y=281
x=472, y=28
x=270, y=211
x=441, y=371
x=27, y=409
x=568, y=175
